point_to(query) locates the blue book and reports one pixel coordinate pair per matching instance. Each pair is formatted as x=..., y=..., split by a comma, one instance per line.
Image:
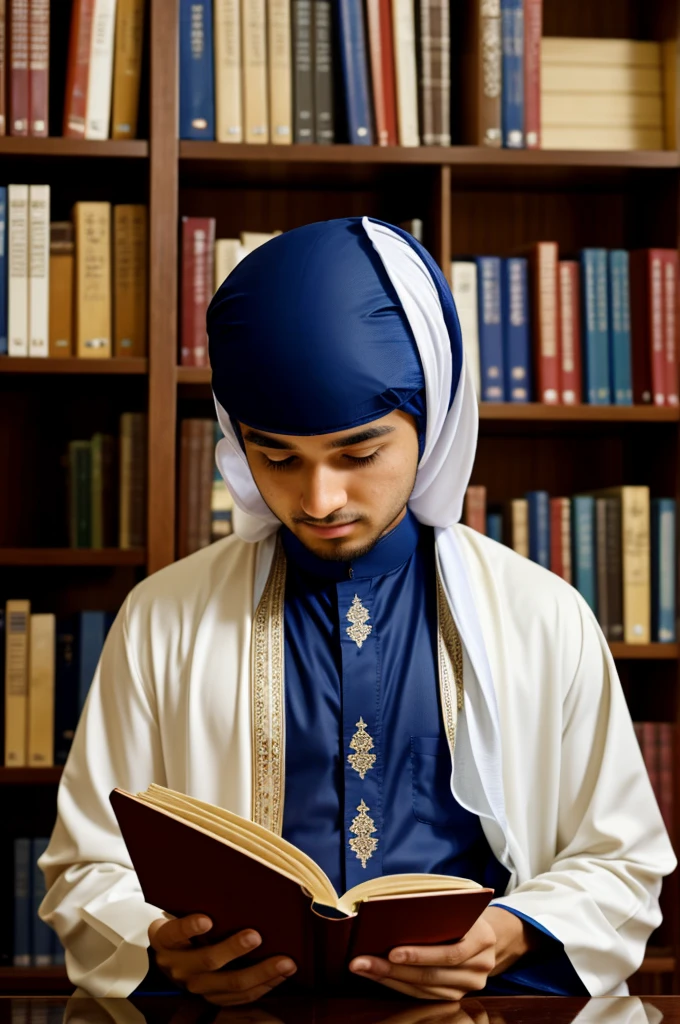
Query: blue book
x=66, y=676
x=621, y=383
x=354, y=61
x=196, y=74
x=494, y=526
x=41, y=945
x=93, y=627
x=512, y=93
x=539, y=527
x=490, y=326
x=21, y=955
x=595, y=326
x=516, y=341
x=663, y=514
x=3, y=270
x=583, y=547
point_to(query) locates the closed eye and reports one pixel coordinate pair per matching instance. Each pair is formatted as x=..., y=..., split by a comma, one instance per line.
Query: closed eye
x=284, y=464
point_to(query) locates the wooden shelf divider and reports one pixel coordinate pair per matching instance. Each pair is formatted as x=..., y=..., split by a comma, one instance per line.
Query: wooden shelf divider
x=30, y=776
x=72, y=556
x=15, y=364
x=62, y=147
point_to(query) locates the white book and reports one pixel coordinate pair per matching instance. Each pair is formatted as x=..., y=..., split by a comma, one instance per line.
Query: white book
x=228, y=71
x=251, y=240
x=100, y=78
x=404, y=34
x=464, y=288
x=17, y=255
x=255, y=98
x=228, y=252
x=38, y=270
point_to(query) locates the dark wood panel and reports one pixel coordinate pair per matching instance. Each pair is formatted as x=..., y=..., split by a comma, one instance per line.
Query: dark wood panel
x=13, y=364
x=72, y=556
x=11, y=146
x=30, y=776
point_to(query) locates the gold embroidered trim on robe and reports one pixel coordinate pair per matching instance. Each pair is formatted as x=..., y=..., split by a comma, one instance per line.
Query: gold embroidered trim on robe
x=362, y=826
x=450, y=653
x=362, y=761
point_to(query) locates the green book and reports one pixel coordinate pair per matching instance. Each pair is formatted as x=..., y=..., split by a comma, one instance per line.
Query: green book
x=103, y=504
x=80, y=494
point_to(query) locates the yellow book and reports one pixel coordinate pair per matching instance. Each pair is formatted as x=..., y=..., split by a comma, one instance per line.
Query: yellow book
x=228, y=71
x=92, y=223
x=609, y=78
x=130, y=276
x=599, y=52
x=228, y=252
x=250, y=240
x=127, y=68
x=41, y=691
x=607, y=110
x=61, y=289
x=280, y=72
x=17, y=631
x=254, y=48
x=635, y=561
x=519, y=523
x=599, y=137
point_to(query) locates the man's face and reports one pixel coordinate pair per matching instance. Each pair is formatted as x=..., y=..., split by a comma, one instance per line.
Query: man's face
x=338, y=493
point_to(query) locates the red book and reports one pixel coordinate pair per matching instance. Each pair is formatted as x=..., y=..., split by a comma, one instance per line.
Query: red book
x=475, y=508
x=198, y=245
x=560, y=537
x=664, y=739
x=3, y=67
x=544, y=261
x=381, y=54
x=18, y=67
x=670, y=322
x=39, y=67
x=647, y=333
x=78, y=69
x=650, y=754
x=533, y=30
x=570, y=331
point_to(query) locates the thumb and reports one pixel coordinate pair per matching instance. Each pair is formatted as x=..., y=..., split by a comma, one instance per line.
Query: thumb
x=178, y=933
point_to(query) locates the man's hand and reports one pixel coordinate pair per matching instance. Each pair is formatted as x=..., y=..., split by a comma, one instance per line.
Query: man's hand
x=198, y=969
x=494, y=942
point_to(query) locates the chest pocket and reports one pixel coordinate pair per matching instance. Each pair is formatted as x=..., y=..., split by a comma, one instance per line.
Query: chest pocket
x=433, y=801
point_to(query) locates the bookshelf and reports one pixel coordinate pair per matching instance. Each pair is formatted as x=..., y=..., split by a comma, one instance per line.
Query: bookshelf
x=471, y=200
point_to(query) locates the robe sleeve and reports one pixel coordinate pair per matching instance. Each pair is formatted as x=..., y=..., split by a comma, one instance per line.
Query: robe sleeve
x=600, y=895
x=94, y=901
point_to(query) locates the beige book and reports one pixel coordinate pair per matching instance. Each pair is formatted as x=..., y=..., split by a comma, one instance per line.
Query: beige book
x=609, y=78
x=404, y=36
x=599, y=52
x=255, y=105
x=635, y=561
x=250, y=240
x=17, y=632
x=127, y=68
x=61, y=289
x=38, y=270
x=280, y=72
x=92, y=223
x=519, y=526
x=228, y=252
x=130, y=280
x=607, y=110
x=100, y=77
x=17, y=274
x=132, y=489
x=41, y=691
x=464, y=288
x=228, y=71
x=601, y=138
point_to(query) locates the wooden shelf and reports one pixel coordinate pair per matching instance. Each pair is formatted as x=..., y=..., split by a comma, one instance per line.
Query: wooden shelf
x=537, y=411
x=72, y=556
x=30, y=980
x=30, y=776
x=14, y=364
x=653, y=964
x=651, y=652
x=58, y=147
x=193, y=375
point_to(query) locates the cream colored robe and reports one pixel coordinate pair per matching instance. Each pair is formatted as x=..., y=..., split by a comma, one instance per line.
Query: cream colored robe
x=170, y=703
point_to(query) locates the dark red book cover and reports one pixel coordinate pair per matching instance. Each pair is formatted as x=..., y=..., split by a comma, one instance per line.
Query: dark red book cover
x=533, y=30
x=556, y=560
x=78, y=69
x=381, y=53
x=39, y=68
x=670, y=322
x=198, y=244
x=570, y=331
x=18, y=67
x=475, y=508
x=647, y=333
x=3, y=67
x=544, y=301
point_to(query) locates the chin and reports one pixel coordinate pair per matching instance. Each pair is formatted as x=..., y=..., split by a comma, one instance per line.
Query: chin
x=340, y=550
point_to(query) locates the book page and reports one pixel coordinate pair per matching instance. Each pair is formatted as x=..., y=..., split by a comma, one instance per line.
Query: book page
x=402, y=885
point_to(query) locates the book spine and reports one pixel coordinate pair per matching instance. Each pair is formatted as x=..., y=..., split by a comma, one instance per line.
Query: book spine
x=96, y=493
x=3, y=67
x=3, y=271
x=556, y=536
x=92, y=633
x=196, y=82
x=516, y=354
x=254, y=44
x=650, y=755
x=41, y=692
x=567, y=570
x=570, y=331
x=636, y=568
x=583, y=556
x=205, y=482
x=100, y=81
x=354, y=62
x=490, y=328
x=127, y=68
x=379, y=25
x=614, y=575
x=519, y=521
x=21, y=955
x=39, y=67
x=405, y=69
x=78, y=68
x=280, y=73
x=533, y=30
x=595, y=325
x=66, y=688
x=229, y=68
x=655, y=320
x=198, y=240
x=644, y=322
x=39, y=270
x=80, y=494
x=601, y=552
x=188, y=491
x=303, y=79
x=130, y=246
x=61, y=295
x=539, y=527
x=221, y=501
x=324, y=124
x=663, y=520
x=512, y=93
x=435, y=73
x=132, y=490
x=93, y=279
x=475, y=508
x=17, y=258
x=17, y=632
x=41, y=946
x=489, y=73
x=494, y=526
x=619, y=328
x=670, y=324
x=665, y=733
x=464, y=289
x=546, y=313
x=18, y=67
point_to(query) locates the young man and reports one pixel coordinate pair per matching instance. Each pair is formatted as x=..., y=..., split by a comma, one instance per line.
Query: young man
x=390, y=691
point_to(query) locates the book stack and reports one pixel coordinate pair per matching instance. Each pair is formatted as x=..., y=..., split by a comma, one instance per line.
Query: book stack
x=71, y=287
x=657, y=743
x=105, y=478
x=48, y=664
x=601, y=329
x=35, y=944
x=615, y=546
x=205, y=504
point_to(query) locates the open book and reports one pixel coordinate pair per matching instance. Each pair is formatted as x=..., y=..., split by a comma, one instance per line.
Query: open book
x=193, y=857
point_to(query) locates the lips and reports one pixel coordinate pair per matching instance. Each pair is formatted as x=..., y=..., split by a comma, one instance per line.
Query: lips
x=330, y=532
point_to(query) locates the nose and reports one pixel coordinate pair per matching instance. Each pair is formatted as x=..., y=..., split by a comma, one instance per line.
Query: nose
x=323, y=493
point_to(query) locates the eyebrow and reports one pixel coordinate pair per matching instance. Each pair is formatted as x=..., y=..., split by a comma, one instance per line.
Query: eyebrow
x=265, y=441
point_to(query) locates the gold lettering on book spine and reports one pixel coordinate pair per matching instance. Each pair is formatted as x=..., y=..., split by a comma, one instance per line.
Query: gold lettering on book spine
x=363, y=826
x=362, y=761
x=450, y=653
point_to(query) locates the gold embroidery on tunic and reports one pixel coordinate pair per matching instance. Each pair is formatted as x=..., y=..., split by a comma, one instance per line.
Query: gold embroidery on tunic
x=362, y=761
x=358, y=616
x=363, y=826
x=450, y=653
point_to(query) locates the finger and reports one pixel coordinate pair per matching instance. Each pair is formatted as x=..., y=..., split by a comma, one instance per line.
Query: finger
x=275, y=969
x=453, y=954
x=178, y=933
x=227, y=999
x=185, y=963
x=470, y=979
x=436, y=995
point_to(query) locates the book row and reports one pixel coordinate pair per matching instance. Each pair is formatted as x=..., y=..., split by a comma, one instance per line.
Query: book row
x=602, y=329
x=107, y=487
x=615, y=546
x=35, y=944
x=205, y=504
x=657, y=743
x=74, y=287
x=47, y=666
x=103, y=75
